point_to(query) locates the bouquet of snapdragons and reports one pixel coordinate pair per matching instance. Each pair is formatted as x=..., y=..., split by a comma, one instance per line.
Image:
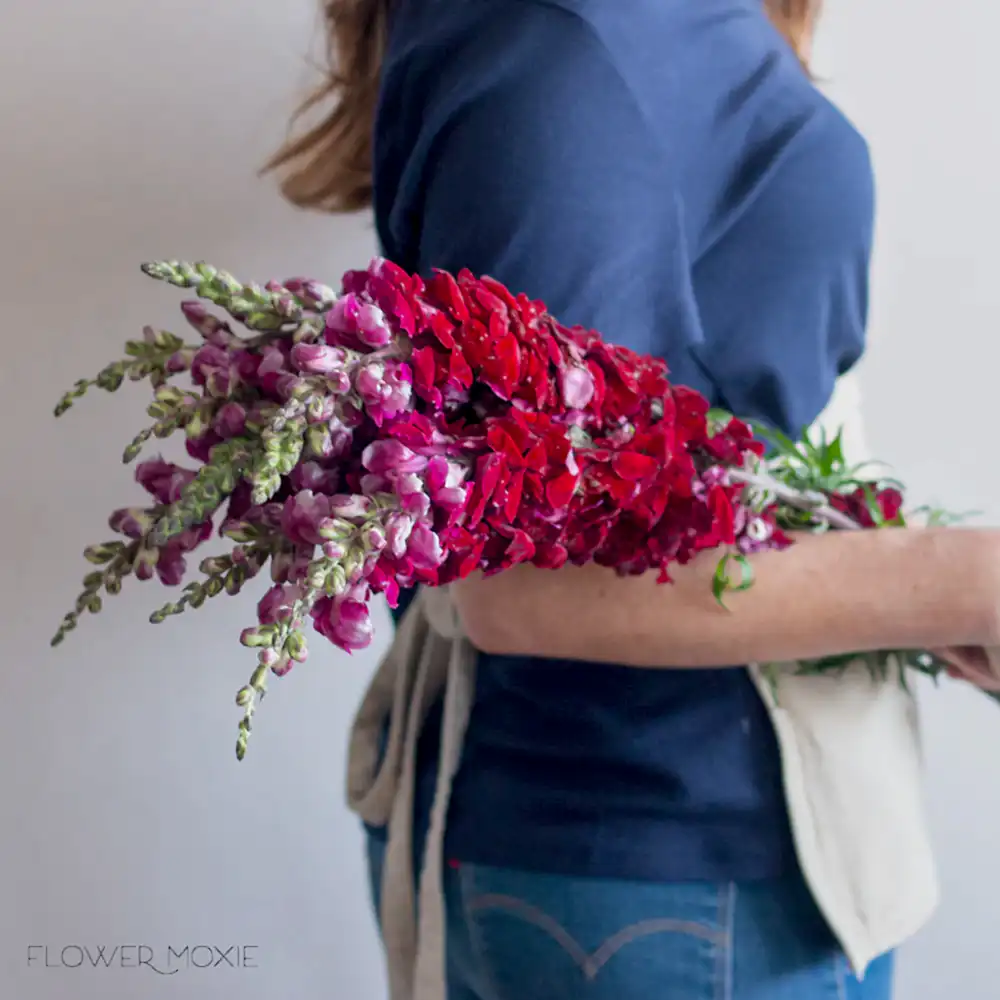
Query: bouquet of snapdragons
x=401, y=432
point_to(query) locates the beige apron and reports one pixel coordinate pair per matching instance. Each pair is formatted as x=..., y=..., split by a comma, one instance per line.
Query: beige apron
x=851, y=760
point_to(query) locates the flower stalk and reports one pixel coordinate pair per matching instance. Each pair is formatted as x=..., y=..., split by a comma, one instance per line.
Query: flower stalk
x=403, y=432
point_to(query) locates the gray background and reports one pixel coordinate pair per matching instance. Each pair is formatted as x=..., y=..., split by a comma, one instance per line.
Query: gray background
x=131, y=131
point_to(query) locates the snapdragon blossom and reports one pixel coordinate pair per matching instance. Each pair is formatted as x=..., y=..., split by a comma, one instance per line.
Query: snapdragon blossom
x=405, y=432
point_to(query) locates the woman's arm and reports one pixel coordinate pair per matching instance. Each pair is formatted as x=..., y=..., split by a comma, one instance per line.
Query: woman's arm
x=584, y=208
x=833, y=593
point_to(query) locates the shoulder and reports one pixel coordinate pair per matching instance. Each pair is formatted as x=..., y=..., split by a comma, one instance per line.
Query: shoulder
x=709, y=78
x=705, y=93
x=675, y=64
x=803, y=182
x=447, y=51
x=728, y=101
x=527, y=78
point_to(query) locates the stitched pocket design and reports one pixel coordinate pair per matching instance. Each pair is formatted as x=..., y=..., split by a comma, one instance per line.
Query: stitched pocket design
x=572, y=938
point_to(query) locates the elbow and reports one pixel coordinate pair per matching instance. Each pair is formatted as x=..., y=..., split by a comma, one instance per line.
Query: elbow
x=490, y=622
x=483, y=626
x=492, y=639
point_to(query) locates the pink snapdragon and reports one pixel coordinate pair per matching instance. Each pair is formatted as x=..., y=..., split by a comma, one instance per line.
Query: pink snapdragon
x=386, y=389
x=317, y=359
x=315, y=478
x=350, y=506
x=424, y=548
x=577, y=386
x=271, y=369
x=354, y=322
x=314, y=294
x=302, y=516
x=390, y=456
x=445, y=485
x=278, y=603
x=200, y=447
x=398, y=530
x=163, y=480
x=132, y=522
x=210, y=368
x=213, y=330
x=170, y=564
x=345, y=620
x=230, y=421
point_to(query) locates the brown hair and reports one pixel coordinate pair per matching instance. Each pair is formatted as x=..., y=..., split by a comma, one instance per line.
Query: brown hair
x=795, y=19
x=328, y=166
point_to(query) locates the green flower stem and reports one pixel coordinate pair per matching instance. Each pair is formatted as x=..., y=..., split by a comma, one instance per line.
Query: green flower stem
x=284, y=633
x=119, y=558
x=326, y=576
x=172, y=422
x=224, y=574
x=201, y=498
x=147, y=358
x=813, y=504
x=310, y=329
x=264, y=309
x=878, y=663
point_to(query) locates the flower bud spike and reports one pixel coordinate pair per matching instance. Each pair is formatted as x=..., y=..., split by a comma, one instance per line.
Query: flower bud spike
x=413, y=429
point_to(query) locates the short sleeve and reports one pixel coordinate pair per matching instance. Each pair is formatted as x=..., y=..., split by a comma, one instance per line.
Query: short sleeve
x=545, y=175
x=785, y=293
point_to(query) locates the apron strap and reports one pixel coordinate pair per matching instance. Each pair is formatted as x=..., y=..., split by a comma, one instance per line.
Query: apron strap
x=428, y=656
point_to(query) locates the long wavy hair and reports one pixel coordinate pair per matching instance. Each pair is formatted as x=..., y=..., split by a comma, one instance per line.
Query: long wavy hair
x=327, y=166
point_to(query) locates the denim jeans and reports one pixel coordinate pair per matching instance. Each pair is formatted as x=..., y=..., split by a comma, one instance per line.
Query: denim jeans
x=516, y=935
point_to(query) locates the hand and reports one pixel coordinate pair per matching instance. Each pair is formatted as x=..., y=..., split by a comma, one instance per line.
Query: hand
x=972, y=664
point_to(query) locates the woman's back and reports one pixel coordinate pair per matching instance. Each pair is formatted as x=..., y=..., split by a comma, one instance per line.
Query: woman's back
x=665, y=173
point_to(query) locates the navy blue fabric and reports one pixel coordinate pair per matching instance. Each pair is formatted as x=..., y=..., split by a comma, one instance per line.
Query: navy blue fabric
x=663, y=172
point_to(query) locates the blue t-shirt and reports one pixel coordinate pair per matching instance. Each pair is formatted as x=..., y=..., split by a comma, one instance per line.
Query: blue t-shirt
x=665, y=173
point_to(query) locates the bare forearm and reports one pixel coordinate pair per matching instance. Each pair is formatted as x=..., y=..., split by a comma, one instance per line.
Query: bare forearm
x=828, y=594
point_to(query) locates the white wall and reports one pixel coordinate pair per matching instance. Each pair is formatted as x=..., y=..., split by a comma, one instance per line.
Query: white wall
x=131, y=133
x=920, y=79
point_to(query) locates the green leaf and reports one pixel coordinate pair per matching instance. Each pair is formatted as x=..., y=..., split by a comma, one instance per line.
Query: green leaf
x=937, y=517
x=746, y=573
x=827, y=664
x=890, y=482
x=823, y=445
x=807, y=447
x=782, y=441
x=721, y=582
x=717, y=419
x=874, y=508
x=833, y=458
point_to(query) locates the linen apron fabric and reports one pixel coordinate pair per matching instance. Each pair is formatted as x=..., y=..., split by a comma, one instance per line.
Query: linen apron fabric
x=851, y=762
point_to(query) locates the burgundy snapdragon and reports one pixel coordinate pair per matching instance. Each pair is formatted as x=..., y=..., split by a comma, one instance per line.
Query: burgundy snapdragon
x=413, y=431
x=163, y=480
x=230, y=421
x=869, y=504
x=303, y=516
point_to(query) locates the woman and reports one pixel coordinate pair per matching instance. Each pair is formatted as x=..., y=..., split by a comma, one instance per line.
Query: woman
x=664, y=172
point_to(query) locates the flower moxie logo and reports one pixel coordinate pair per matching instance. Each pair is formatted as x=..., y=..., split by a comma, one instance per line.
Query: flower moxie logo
x=166, y=962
